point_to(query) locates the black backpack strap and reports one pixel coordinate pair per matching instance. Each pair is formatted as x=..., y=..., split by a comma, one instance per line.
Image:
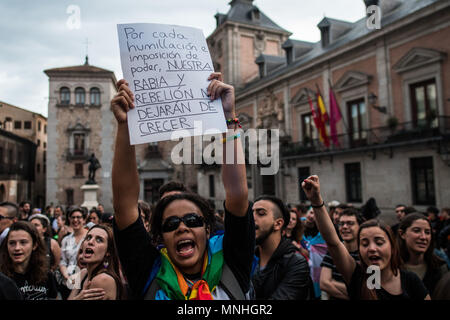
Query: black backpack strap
x=230, y=284
x=151, y=292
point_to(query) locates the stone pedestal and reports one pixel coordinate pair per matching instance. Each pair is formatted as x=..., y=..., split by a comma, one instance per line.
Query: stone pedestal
x=90, y=195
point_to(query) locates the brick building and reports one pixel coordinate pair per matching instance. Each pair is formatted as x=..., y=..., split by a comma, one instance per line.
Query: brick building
x=32, y=127
x=392, y=85
x=81, y=123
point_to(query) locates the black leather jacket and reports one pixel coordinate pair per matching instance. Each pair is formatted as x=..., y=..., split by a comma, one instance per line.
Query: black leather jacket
x=285, y=277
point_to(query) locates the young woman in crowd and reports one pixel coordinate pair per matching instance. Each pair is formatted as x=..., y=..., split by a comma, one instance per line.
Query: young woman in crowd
x=100, y=280
x=416, y=243
x=71, y=244
x=377, y=249
x=24, y=259
x=191, y=264
x=288, y=232
x=63, y=228
x=42, y=224
x=94, y=216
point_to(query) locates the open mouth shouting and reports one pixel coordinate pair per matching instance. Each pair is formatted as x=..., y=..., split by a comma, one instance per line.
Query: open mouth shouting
x=185, y=248
x=88, y=252
x=375, y=260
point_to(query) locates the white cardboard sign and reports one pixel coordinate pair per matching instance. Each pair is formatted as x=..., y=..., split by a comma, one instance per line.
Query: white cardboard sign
x=167, y=68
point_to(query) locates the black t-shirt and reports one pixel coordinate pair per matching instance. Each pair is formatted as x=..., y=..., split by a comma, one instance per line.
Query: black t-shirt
x=137, y=253
x=8, y=289
x=412, y=287
x=329, y=263
x=40, y=291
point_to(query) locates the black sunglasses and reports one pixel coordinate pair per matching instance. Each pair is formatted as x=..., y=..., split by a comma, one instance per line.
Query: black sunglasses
x=191, y=220
x=3, y=217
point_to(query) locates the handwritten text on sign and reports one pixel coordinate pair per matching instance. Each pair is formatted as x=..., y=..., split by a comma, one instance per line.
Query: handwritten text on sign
x=167, y=68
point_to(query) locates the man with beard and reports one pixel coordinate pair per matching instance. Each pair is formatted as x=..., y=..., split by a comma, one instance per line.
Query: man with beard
x=281, y=272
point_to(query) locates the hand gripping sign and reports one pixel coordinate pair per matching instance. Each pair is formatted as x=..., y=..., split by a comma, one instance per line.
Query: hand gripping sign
x=167, y=68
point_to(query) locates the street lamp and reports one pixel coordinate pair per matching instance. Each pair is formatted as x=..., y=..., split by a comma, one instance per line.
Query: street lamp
x=373, y=100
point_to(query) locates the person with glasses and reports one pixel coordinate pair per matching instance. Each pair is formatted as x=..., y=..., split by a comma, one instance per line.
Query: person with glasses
x=8, y=215
x=331, y=280
x=379, y=274
x=192, y=265
x=70, y=246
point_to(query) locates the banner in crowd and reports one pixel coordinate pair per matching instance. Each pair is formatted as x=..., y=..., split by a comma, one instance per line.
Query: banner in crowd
x=167, y=68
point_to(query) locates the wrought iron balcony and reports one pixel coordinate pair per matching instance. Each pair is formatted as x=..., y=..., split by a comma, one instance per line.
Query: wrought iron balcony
x=78, y=154
x=402, y=134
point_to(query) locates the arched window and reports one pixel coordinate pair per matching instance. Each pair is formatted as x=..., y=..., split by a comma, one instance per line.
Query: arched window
x=64, y=95
x=95, y=96
x=80, y=96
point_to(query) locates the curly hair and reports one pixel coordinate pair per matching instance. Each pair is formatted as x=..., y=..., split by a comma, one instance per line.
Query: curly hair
x=38, y=266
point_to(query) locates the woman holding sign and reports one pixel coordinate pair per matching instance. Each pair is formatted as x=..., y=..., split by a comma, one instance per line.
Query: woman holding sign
x=378, y=276
x=191, y=266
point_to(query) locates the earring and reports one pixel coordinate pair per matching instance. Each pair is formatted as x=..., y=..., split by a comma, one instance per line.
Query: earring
x=106, y=264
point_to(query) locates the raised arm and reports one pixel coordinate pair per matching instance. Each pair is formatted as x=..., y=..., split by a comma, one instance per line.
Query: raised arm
x=233, y=173
x=342, y=258
x=125, y=179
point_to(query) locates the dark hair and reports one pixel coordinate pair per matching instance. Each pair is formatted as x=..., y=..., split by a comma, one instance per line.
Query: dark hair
x=281, y=206
x=172, y=186
x=343, y=206
x=77, y=209
x=25, y=202
x=433, y=210
x=353, y=212
x=409, y=210
x=201, y=203
x=111, y=258
x=13, y=209
x=98, y=213
x=302, y=208
x=45, y=224
x=146, y=209
x=395, y=263
x=430, y=258
x=400, y=205
x=299, y=229
x=38, y=266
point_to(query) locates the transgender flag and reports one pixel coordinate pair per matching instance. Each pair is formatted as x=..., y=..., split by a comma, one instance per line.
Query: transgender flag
x=335, y=116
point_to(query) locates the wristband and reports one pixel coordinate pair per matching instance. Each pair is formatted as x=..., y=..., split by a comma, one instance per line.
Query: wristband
x=319, y=206
x=235, y=121
x=238, y=135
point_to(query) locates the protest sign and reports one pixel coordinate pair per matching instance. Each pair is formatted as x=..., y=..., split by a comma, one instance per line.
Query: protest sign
x=167, y=68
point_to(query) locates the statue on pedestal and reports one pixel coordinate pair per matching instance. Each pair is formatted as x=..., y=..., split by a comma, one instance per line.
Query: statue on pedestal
x=94, y=164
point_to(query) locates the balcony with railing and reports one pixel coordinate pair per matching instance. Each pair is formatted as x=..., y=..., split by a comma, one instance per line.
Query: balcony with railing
x=402, y=134
x=78, y=154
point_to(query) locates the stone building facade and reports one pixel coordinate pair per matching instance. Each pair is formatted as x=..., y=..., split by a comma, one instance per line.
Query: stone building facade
x=80, y=123
x=33, y=127
x=392, y=86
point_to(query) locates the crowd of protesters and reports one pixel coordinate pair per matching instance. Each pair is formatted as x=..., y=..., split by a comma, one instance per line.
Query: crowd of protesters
x=183, y=248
